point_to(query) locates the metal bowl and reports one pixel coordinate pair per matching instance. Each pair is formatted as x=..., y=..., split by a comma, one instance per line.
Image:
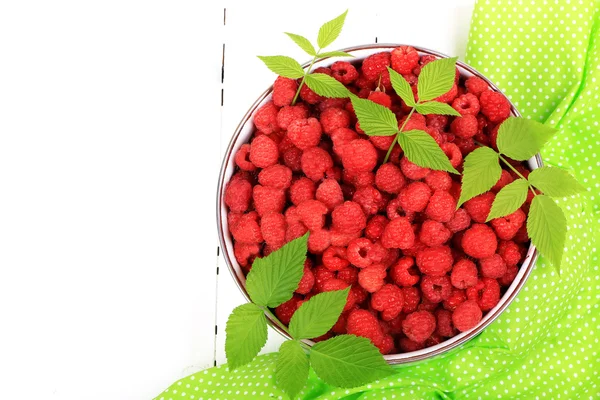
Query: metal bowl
x=242, y=135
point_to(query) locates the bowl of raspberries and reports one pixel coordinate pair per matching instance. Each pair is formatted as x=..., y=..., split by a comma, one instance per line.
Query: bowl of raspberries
x=424, y=275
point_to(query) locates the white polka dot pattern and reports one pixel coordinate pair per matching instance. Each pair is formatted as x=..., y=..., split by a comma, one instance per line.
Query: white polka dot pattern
x=545, y=55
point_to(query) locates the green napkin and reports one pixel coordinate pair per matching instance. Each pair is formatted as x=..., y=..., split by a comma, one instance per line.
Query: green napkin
x=545, y=55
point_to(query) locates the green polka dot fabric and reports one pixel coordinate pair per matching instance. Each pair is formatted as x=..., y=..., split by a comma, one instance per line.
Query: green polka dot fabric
x=545, y=55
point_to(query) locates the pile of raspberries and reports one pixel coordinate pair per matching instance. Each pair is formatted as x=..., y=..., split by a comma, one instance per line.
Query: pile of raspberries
x=420, y=270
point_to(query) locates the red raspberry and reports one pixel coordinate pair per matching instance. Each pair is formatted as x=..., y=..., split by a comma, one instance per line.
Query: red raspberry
x=457, y=297
x=359, y=156
x=413, y=171
x=370, y=199
x=340, y=137
x=391, y=257
x=265, y=118
x=404, y=59
x=330, y=193
x=398, y=234
x=375, y=227
x=342, y=239
x=479, y=241
x=322, y=275
x=486, y=293
x=419, y=325
x=312, y=214
x=359, y=179
x=242, y=159
x=395, y=325
x=436, y=135
x=415, y=197
x=378, y=253
x=427, y=305
x=273, y=227
x=479, y=206
x=348, y=275
x=464, y=127
x=285, y=311
x=348, y=218
x=307, y=282
x=467, y=104
x=334, y=258
x=476, y=85
x=233, y=218
x=238, y=194
x=284, y=90
x=386, y=345
x=509, y=276
x=389, y=178
x=465, y=145
x=323, y=70
x=438, y=122
x=453, y=153
x=340, y=326
x=466, y=316
x=412, y=298
x=507, y=227
x=263, y=151
x=301, y=190
x=436, y=288
x=247, y=230
x=464, y=274
x=492, y=267
x=359, y=294
x=407, y=345
x=336, y=103
x=433, y=340
x=344, y=72
x=363, y=323
x=381, y=98
x=245, y=253
x=444, y=325
x=404, y=273
x=417, y=121
x=305, y=133
x=395, y=210
x=494, y=137
x=375, y=65
x=510, y=252
x=449, y=95
x=494, y=106
x=423, y=61
x=522, y=236
x=434, y=233
x=308, y=95
x=439, y=180
x=318, y=241
x=505, y=179
x=441, y=206
x=338, y=284
x=268, y=199
x=357, y=252
x=334, y=173
x=315, y=162
x=389, y=300
x=459, y=222
x=277, y=176
x=292, y=158
x=322, y=338
x=372, y=278
x=382, y=142
x=435, y=261
x=334, y=118
x=294, y=231
x=289, y=114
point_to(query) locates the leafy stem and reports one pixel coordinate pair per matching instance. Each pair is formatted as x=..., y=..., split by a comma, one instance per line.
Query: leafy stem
x=306, y=72
x=509, y=165
x=387, y=155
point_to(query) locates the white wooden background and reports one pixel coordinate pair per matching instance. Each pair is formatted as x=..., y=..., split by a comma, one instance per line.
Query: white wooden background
x=113, y=120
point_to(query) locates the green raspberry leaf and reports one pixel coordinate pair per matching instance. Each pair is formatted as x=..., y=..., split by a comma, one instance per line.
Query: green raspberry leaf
x=402, y=88
x=303, y=43
x=421, y=149
x=555, y=182
x=331, y=30
x=246, y=334
x=521, y=138
x=335, y=53
x=481, y=171
x=547, y=228
x=291, y=368
x=509, y=199
x=316, y=316
x=274, y=278
x=435, y=107
x=374, y=119
x=283, y=66
x=436, y=78
x=326, y=86
x=348, y=361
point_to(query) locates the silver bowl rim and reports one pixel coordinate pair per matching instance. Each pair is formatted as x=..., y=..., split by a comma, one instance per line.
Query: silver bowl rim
x=399, y=358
